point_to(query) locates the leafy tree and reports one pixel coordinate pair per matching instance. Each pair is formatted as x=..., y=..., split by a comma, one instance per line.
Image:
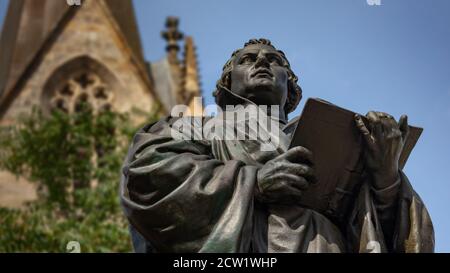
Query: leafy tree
x=75, y=160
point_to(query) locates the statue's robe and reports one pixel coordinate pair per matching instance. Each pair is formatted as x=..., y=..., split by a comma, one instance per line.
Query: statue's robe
x=199, y=196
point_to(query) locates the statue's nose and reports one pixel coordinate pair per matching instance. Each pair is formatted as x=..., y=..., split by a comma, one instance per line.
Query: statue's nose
x=261, y=60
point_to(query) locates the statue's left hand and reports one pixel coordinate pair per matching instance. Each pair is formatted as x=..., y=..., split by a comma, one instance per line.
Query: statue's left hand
x=384, y=139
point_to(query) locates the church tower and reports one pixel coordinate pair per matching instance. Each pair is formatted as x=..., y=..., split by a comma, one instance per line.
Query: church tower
x=56, y=55
x=177, y=81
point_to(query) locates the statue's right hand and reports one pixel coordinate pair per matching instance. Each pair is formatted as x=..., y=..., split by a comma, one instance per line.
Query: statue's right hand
x=283, y=179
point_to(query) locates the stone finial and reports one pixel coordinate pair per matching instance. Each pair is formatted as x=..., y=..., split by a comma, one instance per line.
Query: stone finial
x=172, y=36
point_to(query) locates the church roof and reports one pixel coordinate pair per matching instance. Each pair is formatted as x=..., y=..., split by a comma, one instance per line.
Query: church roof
x=29, y=24
x=165, y=82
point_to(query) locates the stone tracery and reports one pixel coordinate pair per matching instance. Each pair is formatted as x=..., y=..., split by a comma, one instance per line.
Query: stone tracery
x=84, y=87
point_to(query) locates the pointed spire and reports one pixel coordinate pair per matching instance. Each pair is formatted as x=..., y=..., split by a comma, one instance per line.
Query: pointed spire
x=191, y=83
x=172, y=36
x=191, y=80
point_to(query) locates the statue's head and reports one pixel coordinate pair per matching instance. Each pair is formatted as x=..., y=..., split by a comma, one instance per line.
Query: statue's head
x=261, y=73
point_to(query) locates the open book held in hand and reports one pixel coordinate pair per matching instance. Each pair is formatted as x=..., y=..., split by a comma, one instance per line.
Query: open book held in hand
x=331, y=134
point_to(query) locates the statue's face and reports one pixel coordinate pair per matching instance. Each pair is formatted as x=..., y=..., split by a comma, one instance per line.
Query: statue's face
x=259, y=75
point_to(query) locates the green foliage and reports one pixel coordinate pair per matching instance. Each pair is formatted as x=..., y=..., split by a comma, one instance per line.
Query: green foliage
x=63, y=154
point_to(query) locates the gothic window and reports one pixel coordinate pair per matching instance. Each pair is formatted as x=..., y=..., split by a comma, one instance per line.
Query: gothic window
x=79, y=82
x=85, y=87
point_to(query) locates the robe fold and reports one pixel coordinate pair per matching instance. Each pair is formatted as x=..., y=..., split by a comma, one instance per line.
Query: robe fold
x=199, y=196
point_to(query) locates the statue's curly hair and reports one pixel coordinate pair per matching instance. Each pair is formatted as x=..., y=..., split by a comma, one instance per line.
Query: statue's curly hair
x=294, y=90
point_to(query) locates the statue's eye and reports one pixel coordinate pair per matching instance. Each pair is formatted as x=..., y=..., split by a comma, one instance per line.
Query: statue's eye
x=275, y=59
x=247, y=59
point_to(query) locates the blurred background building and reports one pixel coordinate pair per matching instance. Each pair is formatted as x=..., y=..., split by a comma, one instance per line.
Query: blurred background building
x=56, y=55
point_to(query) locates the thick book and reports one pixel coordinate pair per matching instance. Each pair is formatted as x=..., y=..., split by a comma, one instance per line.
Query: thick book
x=331, y=134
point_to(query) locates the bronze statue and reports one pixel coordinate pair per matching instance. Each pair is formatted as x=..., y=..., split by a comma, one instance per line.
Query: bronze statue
x=228, y=196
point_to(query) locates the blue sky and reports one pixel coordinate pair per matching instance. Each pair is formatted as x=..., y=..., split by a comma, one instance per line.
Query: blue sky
x=393, y=58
